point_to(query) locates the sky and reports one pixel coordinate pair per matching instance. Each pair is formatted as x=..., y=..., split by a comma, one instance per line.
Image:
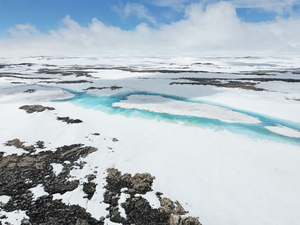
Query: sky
x=149, y=27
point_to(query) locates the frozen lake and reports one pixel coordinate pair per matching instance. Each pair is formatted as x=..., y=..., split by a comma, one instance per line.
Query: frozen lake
x=191, y=112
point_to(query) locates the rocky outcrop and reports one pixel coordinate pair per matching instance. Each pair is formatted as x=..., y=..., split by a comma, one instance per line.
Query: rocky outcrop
x=91, y=177
x=68, y=120
x=138, y=210
x=20, y=173
x=15, y=142
x=30, y=148
x=40, y=144
x=89, y=188
x=35, y=108
x=113, y=88
x=48, y=211
x=67, y=82
x=29, y=91
x=141, y=183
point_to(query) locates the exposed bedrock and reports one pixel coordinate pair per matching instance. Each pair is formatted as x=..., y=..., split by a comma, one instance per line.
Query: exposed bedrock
x=35, y=108
x=113, y=88
x=138, y=210
x=29, y=148
x=49, y=212
x=20, y=173
x=69, y=120
x=89, y=188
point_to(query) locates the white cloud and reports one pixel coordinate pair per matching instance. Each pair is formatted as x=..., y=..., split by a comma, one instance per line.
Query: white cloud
x=24, y=30
x=214, y=29
x=138, y=10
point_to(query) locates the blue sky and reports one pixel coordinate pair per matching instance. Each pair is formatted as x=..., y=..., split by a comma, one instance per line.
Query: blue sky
x=152, y=27
x=46, y=15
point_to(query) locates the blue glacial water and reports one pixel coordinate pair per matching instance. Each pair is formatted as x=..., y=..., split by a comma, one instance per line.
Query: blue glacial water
x=254, y=131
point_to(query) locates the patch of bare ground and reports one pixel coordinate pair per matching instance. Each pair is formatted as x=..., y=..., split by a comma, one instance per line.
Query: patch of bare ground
x=243, y=83
x=102, y=88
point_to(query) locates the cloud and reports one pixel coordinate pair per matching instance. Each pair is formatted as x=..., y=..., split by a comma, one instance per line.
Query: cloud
x=278, y=6
x=206, y=30
x=24, y=30
x=138, y=10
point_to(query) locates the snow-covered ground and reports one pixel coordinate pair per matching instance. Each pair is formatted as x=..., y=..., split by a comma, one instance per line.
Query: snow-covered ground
x=222, y=177
x=285, y=131
x=164, y=105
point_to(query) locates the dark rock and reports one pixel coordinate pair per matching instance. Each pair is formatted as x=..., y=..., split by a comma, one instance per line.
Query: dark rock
x=158, y=194
x=68, y=120
x=18, y=82
x=15, y=142
x=40, y=144
x=139, y=211
x=29, y=91
x=74, y=71
x=45, y=210
x=89, y=189
x=67, y=82
x=174, y=219
x=142, y=183
x=189, y=221
x=91, y=177
x=243, y=83
x=81, y=222
x=25, y=222
x=29, y=148
x=18, y=173
x=25, y=64
x=114, y=181
x=19, y=144
x=97, y=134
x=18, y=202
x=113, y=88
x=167, y=205
x=72, y=152
x=108, y=198
x=35, y=108
x=115, y=140
x=115, y=216
x=60, y=186
x=179, y=209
